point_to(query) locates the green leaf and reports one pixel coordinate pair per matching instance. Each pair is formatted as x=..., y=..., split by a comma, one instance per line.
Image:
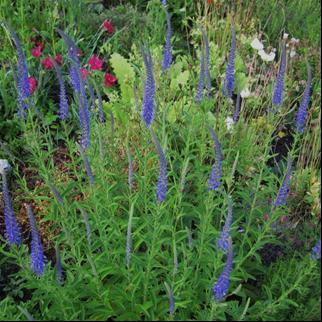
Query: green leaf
x=125, y=75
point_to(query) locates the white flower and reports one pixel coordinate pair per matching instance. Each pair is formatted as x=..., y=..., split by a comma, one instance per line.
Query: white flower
x=294, y=40
x=229, y=123
x=245, y=93
x=256, y=44
x=292, y=53
x=285, y=36
x=267, y=57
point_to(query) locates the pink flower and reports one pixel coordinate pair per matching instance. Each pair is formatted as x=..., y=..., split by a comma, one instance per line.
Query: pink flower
x=36, y=51
x=58, y=59
x=47, y=63
x=95, y=62
x=32, y=84
x=84, y=73
x=109, y=80
x=108, y=26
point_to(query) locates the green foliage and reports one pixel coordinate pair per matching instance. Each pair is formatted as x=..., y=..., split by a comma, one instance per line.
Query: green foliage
x=125, y=75
x=173, y=243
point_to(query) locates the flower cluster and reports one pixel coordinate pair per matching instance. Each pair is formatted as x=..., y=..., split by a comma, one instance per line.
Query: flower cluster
x=220, y=289
x=79, y=89
x=108, y=26
x=162, y=181
x=229, y=83
x=224, y=240
x=37, y=251
x=302, y=111
x=21, y=76
x=149, y=89
x=284, y=189
x=258, y=45
x=316, y=250
x=279, y=84
x=63, y=103
x=167, y=51
x=201, y=82
x=12, y=230
x=204, y=73
x=216, y=172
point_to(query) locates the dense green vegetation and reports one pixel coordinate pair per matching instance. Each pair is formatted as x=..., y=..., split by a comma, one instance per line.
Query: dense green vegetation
x=124, y=254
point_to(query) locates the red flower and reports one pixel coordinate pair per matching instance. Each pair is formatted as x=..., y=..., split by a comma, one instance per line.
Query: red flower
x=47, y=63
x=108, y=26
x=36, y=51
x=32, y=84
x=58, y=59
x=37, y=42
x=95, y=62
x=109, y=80
x=209, y=2
x=84, y=73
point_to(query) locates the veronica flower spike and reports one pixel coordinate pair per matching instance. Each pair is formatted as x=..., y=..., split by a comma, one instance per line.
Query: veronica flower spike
x=224, y=239
x=285, y=187
x=221, y=287
x=37, y=251
x=316, y=251
x=79, y=89
x=12, y=230
x=167, y=50
x=21, y=77
x=63, y=103
x=229, y=83
x=302, y=111
x=216, y=172
x=201, y=81
x=149, y=90
x=162, y=181
x=279, y=83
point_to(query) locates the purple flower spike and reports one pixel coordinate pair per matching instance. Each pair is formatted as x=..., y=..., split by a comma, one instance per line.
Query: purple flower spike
x=201, y=82
x=216, y=172
x=224, y=239
x=63, y=103
x=84, y=119
x=229, y=83
x=74, y=80
x=37, y=251
x=21, y=76
x=12, y=230
x=279, y=84
x=79, y=89
x=172, y=304
x=56, y=192
x=162, y=181
x=302, y=112
x=149, y=90
x=285, y=187
x=220, y=289
x=316, y=251
x=167, y=50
